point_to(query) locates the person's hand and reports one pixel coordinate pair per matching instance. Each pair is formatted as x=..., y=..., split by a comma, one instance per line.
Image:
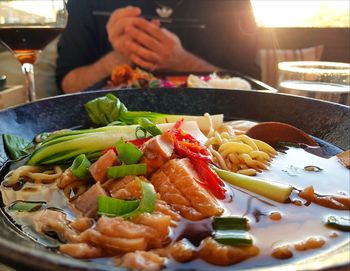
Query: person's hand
x=154, y=48
x=116, y=25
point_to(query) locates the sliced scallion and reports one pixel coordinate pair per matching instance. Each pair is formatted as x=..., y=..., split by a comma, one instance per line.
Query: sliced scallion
x=125, y=170
x=128, y=153
x=149, y=126
x=115, y=207
x=80, y=167
x=25, y=206
x=230, y=223
x=233, y=238
x=339, y=223
x=147, y=202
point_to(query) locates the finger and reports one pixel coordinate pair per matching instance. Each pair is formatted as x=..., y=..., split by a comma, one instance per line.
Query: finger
x=144, y=39
x=143, y=63
x=142, y=52
x=121, y=13
x=150, y=28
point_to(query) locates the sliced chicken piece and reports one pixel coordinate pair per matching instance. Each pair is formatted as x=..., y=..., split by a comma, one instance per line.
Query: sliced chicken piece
x=81, y=251
x=98, y=169
x=141, y=260
x=87, y=202
x=157, y=151
x=218, y=254
x=176, y=183
x=181, y=251
x=82, y=224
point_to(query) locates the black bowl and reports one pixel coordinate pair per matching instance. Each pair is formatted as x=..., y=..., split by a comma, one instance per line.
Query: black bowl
x=329, y=122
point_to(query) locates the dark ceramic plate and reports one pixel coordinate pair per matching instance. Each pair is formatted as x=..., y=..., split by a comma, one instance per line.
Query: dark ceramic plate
x=328, y=122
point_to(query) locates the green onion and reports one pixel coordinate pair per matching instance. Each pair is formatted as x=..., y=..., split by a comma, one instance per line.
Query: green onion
x=230, y=223
x=233, y=238
x=125, y=170
x=148, y=200
x=115, y=207
x=80, y=167
x=26, y=206
x=339, y=223
x=128, y=153
x=149, y=126
x=272, y=190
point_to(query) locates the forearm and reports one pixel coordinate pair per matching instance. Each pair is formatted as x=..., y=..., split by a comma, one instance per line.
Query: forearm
x=86, y=76
x=193, y=63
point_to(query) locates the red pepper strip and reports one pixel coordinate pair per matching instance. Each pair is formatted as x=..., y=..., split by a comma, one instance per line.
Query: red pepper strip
x=139, y=142
x=211, y=178
x=183, y=151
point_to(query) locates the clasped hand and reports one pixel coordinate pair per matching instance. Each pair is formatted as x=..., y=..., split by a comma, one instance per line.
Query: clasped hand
x=144, y=42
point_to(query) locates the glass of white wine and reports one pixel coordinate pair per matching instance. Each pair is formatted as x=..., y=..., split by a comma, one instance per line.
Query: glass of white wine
x=316, y=79
x=26, y=27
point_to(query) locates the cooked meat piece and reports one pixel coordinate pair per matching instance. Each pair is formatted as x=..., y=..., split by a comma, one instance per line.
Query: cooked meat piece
x=98, y=169
x=127, y=188
x=66, y=179
x=157, y=151
x=164, y=208
x=176, y=183
x=152, y=228
x=87, y=202
x=81, y=251
x=82, y=224
x=218, y=254
x=115, y=244
x=181, y=251
x=141, y=260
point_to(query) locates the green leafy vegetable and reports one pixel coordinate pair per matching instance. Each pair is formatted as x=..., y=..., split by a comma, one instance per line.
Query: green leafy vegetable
x=233, y=238
x=25, y=206
x=16, y=146
x=125, y=170
x=63, y=147
x=128, y=153
x=115, y=207
x=103, y=110
x=230, y=223
x=80, y=167
x=272, y=190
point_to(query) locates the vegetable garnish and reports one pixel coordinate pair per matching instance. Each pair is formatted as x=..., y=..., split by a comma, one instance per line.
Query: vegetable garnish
x=125, y=170
x=63, y=147
x=147, y=202
x=233, y=238
x=26, y=206
x=148, y=126
x=187, y=146
x=230, y=223
x=139, y=142
x=16, y=146
x=115, y=207
x=80, y=167
x=272, y=190
x=129, y=209
x=128, y=153
x=339, y=223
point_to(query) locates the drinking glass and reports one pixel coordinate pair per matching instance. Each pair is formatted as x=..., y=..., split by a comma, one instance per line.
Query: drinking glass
x=26, y=27
x=316, y=79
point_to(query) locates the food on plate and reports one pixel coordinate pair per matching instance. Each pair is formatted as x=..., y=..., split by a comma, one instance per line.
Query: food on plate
x=126, y=76
x=148, y=191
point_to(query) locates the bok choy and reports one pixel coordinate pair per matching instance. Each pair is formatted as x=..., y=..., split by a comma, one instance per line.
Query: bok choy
x=108, y=109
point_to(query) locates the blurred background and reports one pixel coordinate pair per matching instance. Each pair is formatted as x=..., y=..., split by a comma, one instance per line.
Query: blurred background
x=288, y=30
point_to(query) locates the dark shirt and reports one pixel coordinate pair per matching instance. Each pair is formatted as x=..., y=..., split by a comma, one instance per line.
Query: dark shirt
x=227, y=41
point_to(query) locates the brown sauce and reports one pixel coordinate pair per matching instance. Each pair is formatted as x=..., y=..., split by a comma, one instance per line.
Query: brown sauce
x=298, y=221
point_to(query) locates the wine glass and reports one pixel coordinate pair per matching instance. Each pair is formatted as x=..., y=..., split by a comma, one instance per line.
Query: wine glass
x=26, y=27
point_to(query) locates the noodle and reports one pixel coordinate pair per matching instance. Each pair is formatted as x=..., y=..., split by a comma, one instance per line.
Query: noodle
x=35, y=173
x=238, y=153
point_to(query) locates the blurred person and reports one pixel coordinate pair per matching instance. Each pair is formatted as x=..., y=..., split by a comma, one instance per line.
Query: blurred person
x=205, y=36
